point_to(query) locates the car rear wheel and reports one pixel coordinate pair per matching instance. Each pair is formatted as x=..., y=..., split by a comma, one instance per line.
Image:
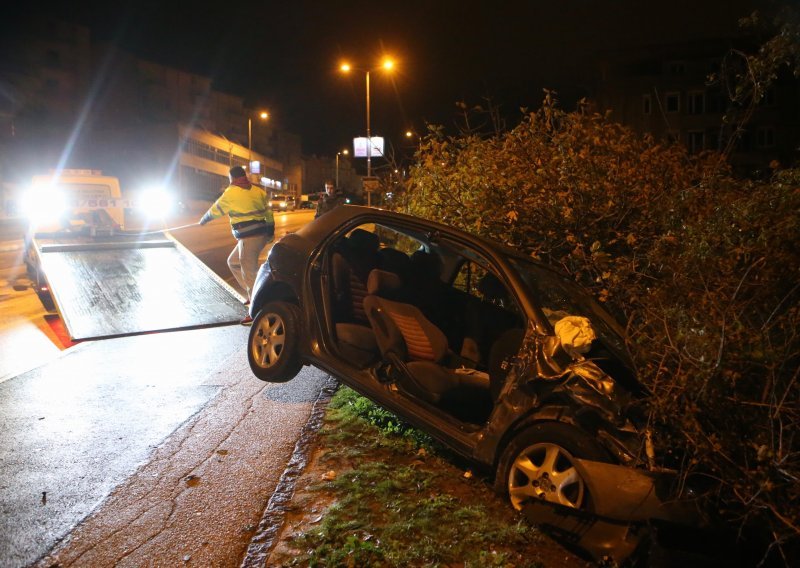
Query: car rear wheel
x=273, y=343
x=539, y=464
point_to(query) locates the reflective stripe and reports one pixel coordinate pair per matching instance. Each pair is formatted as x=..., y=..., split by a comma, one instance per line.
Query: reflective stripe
x=260, y=214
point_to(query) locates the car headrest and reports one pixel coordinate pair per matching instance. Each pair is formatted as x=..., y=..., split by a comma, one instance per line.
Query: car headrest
x=381, y=282
x=491, y=287
x=426, y=265
x=393, y=260
x=362, y=240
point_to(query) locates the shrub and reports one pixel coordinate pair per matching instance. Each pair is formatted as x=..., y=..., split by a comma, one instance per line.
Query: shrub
x=704, y=268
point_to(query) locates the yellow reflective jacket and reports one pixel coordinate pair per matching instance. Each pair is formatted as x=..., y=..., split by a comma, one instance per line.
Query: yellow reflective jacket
x=241, y=206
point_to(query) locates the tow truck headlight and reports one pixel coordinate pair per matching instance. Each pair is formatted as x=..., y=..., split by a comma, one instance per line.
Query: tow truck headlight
x=43, y=204
x=156, y=202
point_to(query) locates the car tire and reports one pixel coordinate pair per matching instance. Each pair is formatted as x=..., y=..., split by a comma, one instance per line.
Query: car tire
x=539, y=464
x=272, y=347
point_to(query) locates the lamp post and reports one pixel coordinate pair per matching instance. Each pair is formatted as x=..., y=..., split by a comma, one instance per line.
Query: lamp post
x=263, y=115
x=387, y=65
x=345, y=152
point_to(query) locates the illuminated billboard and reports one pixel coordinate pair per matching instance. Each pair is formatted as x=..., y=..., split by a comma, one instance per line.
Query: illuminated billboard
x=360, y=147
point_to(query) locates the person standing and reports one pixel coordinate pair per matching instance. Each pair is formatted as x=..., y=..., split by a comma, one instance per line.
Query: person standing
x=332, y=198
x=252, y=224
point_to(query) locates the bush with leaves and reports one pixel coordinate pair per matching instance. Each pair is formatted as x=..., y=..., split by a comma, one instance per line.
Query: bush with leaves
x=704, y=268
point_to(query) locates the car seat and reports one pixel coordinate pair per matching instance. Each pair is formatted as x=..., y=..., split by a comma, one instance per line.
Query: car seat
x=501, y=357
x=419, y=350
x=398, y=262
x=351, y=265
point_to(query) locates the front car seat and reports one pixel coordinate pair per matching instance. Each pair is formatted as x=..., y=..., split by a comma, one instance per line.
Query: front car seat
x=410, y=341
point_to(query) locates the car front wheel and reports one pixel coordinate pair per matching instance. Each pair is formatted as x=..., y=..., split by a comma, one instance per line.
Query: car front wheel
x=539, y=464
x=273, y=343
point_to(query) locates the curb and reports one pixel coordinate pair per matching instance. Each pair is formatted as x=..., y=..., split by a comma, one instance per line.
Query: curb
x=271, y=523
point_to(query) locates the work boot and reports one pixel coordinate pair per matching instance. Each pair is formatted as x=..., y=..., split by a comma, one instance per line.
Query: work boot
x=246, y=321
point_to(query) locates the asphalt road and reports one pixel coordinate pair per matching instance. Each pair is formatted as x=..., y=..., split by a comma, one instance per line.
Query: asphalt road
x=213, y=242
x=157, y=449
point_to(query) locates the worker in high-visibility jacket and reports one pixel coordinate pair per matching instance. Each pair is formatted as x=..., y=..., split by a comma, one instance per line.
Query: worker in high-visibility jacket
x=247, y=207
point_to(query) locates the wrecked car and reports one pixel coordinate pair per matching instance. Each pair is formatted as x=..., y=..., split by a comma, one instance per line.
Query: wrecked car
x=499, y=357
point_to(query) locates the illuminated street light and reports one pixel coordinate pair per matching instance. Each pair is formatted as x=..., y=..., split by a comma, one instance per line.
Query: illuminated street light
x=264, y=115
x=387, y=65
x=345, y=152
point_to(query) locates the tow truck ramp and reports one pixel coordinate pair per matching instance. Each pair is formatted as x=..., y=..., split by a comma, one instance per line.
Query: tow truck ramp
x=127, y=286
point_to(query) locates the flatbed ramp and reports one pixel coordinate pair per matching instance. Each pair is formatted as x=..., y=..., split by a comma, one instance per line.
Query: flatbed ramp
x=131, y=286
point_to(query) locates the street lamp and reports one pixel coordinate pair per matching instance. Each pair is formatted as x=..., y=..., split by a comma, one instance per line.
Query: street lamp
x=345, y=152
x=263, y=115
x=387, y=65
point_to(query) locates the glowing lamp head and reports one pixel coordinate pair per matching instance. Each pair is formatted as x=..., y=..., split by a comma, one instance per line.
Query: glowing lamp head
x=345, y=67
x=388, y=64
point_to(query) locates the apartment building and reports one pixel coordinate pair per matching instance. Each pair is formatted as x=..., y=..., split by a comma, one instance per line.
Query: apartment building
x=668, y=91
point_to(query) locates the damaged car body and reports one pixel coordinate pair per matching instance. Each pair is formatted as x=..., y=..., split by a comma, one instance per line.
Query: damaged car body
x=499, y=357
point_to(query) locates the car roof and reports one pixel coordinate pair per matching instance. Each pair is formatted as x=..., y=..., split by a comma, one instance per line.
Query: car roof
x=343, y=214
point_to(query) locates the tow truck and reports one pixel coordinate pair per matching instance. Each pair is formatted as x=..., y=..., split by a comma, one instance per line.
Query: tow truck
x=105, y=280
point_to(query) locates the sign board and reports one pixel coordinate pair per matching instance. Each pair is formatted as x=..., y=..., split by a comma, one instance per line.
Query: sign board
x=361, y=146
x=370, y=184
x=255, y=167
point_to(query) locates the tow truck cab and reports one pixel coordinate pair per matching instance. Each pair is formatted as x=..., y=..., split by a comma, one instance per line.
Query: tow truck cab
x=83, y=201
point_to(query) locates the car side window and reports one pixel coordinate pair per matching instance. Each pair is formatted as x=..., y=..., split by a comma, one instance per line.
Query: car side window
x=390, y=238
x=476, y=281
x=467, y=277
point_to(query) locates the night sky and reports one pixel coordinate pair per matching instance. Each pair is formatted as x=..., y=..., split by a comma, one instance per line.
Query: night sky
x=284, y=56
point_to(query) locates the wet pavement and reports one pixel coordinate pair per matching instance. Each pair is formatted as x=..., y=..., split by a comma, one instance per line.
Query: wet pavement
x=158, y=449
x=174, y=450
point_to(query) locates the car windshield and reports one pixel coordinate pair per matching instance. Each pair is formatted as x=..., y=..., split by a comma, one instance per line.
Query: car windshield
x=559, y=297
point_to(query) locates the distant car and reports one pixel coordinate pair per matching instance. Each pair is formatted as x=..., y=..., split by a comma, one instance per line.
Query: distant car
x=499, y=357
x=308, y=204
x=282, y=202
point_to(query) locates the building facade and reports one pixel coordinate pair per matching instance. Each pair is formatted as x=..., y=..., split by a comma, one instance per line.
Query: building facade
x=66, y=102
x=669, y=91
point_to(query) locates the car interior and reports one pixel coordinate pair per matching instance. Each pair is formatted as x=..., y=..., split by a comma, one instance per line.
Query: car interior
x=431, y=317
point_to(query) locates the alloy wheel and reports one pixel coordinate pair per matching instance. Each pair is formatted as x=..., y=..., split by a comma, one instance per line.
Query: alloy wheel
x=545, y=471
x=269, y=340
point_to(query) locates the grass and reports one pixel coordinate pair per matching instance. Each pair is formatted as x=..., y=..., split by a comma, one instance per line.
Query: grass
x=399, y=500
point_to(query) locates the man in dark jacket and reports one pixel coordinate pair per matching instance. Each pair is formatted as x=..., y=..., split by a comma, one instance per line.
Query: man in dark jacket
x=252, y=224
x=331, y=199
